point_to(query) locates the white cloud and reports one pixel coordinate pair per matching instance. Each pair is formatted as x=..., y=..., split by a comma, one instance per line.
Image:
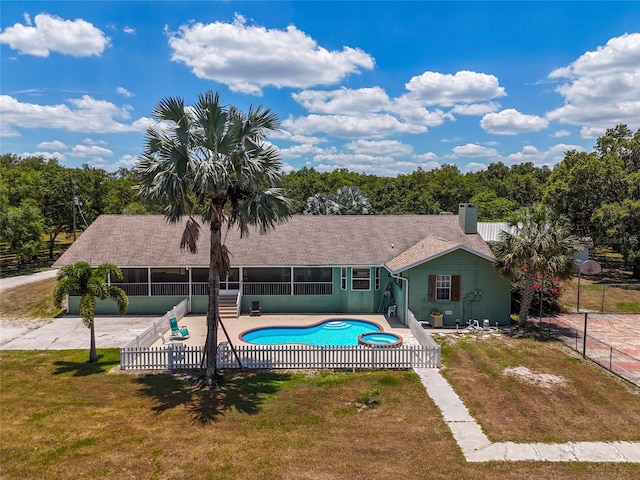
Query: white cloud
x=391, y=148
x=248, y=58
x=286, y=135
x=46, y=155
x=53, y=145
x=474, y=167
x=512, y=122
x=343, y=126
x=370, y=164
x=127, y=161
x=85, y=114
x=78, y=38
x=474, y=150
x=344, y=101
x=298, y=151
x=603, y=87
x=561, y=133
x=124, y=92
x=476, y=108
x=433, y=88
x=549, y=157
x=129, y=30
x=90, y=151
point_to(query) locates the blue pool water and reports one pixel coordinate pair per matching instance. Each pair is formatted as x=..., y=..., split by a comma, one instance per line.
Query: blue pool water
x=381, y=338
x=340, y=332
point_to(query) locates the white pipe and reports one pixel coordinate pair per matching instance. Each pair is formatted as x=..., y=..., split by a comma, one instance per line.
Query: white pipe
x=406, y=297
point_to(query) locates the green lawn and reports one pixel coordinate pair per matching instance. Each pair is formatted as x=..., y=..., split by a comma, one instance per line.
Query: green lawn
x=62, y=418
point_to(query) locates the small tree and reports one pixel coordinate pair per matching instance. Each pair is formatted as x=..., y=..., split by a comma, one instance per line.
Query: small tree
x=22, y=227
x=88, y=283
x=539, y=245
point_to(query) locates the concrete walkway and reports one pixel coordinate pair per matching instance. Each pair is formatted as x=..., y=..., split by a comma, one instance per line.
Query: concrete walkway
x=476, y=447
x=12, y=282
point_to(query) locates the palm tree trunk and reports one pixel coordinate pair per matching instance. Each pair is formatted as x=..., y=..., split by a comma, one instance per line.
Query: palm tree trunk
x=211, y=344
x=93, y=354
x=527, y=296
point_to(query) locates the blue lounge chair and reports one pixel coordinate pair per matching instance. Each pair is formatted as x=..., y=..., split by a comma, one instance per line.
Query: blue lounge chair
x=178, y=332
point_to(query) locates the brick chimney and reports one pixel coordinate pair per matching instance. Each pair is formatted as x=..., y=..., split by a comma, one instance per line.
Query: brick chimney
x=468, y=216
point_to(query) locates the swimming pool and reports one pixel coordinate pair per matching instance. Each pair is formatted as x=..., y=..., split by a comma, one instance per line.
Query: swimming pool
x=340, y=332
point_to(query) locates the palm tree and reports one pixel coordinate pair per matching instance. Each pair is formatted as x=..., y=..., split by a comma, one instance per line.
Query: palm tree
x=88, y=283
x=352, y=201
x=346, y=201
x=321, y=204
x=211, y=164
x=539, y=243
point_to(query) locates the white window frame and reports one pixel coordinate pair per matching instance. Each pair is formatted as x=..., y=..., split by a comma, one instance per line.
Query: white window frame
x=377, y=278
x=355, y=271
x=343, y=278
x=443, y=287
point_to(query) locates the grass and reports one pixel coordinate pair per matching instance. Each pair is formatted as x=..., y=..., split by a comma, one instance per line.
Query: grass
x=63, y=418
x=592, y=406
x=615, y=299
x=34, y=300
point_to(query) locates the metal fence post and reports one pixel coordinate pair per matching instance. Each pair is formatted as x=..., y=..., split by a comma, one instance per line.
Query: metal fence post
x=584, y=340
x=610, y=358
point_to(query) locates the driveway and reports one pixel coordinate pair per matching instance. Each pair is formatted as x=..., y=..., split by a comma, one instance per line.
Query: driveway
x=12, y=282
x=69, y=332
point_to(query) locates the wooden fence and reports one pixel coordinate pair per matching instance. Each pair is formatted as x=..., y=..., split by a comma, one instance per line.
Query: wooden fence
x=178, y=356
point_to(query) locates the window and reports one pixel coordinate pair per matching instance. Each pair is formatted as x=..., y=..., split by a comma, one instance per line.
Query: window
x=133, y=275
x=443, y=287
x=377, y=278
x=312, y=274
x=343, y=278
x=169, y=275
x=361, y=279
x=267, y=274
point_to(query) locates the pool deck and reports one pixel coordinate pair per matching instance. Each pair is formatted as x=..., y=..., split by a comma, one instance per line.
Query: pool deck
x=197, y=325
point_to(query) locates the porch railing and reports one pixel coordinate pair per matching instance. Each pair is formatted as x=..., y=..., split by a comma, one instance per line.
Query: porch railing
x=313, y=288
x=170, y=289
x=284, y=288
x=200, y=288
x=266, y=288
x=249, y=288
x=179, y=356
x=134, y=289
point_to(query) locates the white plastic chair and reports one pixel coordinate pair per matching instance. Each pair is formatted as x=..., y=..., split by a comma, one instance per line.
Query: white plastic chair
x=391, y=312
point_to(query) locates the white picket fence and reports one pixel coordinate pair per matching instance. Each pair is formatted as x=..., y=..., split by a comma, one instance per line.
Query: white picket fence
x=178, y=356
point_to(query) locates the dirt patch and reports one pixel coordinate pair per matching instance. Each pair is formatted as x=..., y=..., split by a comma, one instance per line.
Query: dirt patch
x=545, y=380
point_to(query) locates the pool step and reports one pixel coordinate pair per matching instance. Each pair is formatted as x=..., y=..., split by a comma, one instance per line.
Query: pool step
x=336, y=325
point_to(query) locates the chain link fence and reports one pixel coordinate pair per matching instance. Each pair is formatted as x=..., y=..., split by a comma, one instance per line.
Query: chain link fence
x=574, y=333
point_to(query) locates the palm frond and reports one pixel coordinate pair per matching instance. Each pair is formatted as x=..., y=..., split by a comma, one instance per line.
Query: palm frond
x=190, y=235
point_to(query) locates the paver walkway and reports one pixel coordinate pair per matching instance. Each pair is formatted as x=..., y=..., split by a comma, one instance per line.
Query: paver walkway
x=476, y=447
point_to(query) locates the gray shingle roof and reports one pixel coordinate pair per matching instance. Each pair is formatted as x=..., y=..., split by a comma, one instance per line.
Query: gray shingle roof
x=148, y=240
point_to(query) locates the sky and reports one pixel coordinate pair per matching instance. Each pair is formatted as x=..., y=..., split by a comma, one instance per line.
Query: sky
x=379, y=87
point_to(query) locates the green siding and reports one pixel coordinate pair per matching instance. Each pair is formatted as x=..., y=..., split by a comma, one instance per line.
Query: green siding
x=342, y=301
x=476, y=275
x=137, y=305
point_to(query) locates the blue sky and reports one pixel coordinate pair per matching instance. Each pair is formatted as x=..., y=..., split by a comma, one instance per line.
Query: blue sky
x=374, y=87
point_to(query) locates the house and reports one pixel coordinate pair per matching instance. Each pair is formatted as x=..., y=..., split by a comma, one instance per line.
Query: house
x=309, y=264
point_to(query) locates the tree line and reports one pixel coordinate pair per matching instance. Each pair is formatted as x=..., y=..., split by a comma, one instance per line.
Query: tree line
x=598, y=191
